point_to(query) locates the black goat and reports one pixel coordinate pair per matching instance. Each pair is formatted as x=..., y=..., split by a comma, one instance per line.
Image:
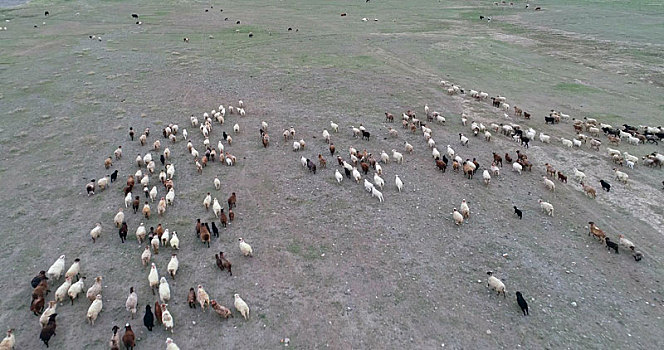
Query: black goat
x=611, y=245
x=522, y=303
x=605, y=185
x=518, y=212
x=366, y=135
x=549, y=120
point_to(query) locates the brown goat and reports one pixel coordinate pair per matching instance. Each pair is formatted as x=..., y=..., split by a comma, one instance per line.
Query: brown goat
x=389, y=117
x=223, y=263
x=321, y=161
x=191, y=298
x=232, y=200
x=108, y=162
x=595, y=231
x=550, y=170
x=231, y=215
x=205, y=234
x=589, y=190
x=441, y=165
x=497, y=159
x=562, y=177
x=157, y=311
x=508, y=158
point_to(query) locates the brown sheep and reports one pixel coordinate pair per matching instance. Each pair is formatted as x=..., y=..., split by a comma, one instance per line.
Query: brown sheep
x=589, y=190
x=441, y=165
x=231, y=215
x=221, y=310
x=497, y=159
x=550, y=170
x=321, y=161
x=108, y=162
x=562, y=177
x=389, y=117
x=232, y=200
x=191, y=298
x=205, y=234
x=223, y=263
x=596, y=231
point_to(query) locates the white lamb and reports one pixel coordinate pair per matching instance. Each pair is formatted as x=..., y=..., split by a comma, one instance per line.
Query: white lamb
x=549, y=184
x=496, y=284
x=517, y=167
x=379, y=181
x=334, y=126
x=368, y=186
x=398, y=182
x=378, y=194
x=296, y=146
x=486, y=176
x=398, y=157
x=579, y=175
x=546, y=207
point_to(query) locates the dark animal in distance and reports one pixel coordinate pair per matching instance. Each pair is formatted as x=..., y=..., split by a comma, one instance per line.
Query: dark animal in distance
x=522, y=303
x=518, y=212
x=611, y=245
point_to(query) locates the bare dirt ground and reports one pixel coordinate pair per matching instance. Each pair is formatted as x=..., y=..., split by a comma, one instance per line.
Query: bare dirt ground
x=332, y=267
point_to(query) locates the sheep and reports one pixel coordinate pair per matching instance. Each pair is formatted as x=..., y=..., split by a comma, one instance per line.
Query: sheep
x=245, y=248
x=223, y=263
x=241, y=306
x=49, y=330
x=153, y=193
x=103, y=182
x=203, y=297
x=55, y=271
x=94, y=309
x=589, y=190
x=549, y=184
x=61, y=292
x=173, y=265
x=153, y=277
x=146, y=255
x=397, y=156
x=579, y=175
x=132, y=302
x=398, y=182
x=9, y=341
x=378, y=181
x=167, y=318
x=154, y=243
x=596, y=231
x=216, y=207
x=435, y=153
x=518, y=212
x=611, y=245
x=626, y=155
x=517, y=167
x=494, y=169
x=43, y=319
x=496, y=284
x=175, y=241
x=636, y=254
x=379, y=169
x=625, y=242
x=338, y=176
x=164, y=290
x=170, y=196
x=566, y=142
x=119, y=218
x=546, y=207
x=377, y=194
x=620, y=176
x=95, y=289
x=356, y=175
x=170, y=344
x=576, y=143
x=458, y=218
x=633, y=140
x=95, y=232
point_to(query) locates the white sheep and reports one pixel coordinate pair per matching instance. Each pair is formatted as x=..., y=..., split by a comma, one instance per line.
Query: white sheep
x=630, y=157
x=496, y=284
x=544, y=138
x=165, y=237
x=576, y=143
x=368, y=186
x=96, y=232
x=175, y=241
x=495, y=170
x=338, y=176
x=245, y=248
x=487, y=136
x=166, y=317
x=450, y=151
x=164, y=290
x=458, y=218
x=440, y=119
x=170, y=171
x=43, y=319
x=398, y=157
x=170, y=345
x=408, y=147
x=398, y=182
x=326, y=136
x=241, y=306
x=379, y=169
x=296, y=146
x=55, y=271
x=334, y=126
x=379, y=181
x=153, y=276
x=431, y=143
x=172, y=268
x=132, y=302
x=119, y=218
x=76, y=289
x=517, y=167
x=216, y=207
x=145, y=256
x=566, y=142
x=94, y=309
x=579, y=175
x=303, y=161
x=621, y=176
x=612, y=151
x=377, y=194
x=61, y=292
x=505, y=107
x=549, y=184
x=546, y=207
x=435, y=153
x=486, y=176
x=464, y=209
x=633, y=140
x=356, y=131
x=103, y=183
x=384, y=157
x=356, y=175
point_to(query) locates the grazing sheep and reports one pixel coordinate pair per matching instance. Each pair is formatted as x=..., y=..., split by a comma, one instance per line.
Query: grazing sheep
x=55, y=271
x=43, y=319
x=517, y=167
x=496, y=284
x=549, y=184
x=94, y=309
x=458, y=218
x=377, y=194
x=172, y=267
x=579, y=175
x=203, y=297
x=167, y=318
x=95, y=232
x=546, y=207
x=398, y=182
x=132, y=302
x=164, y=290
x=398, y=157
x=589, y=190
x=241, y=306
x=245, y=248
x=596, y=231
x=620, y=176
